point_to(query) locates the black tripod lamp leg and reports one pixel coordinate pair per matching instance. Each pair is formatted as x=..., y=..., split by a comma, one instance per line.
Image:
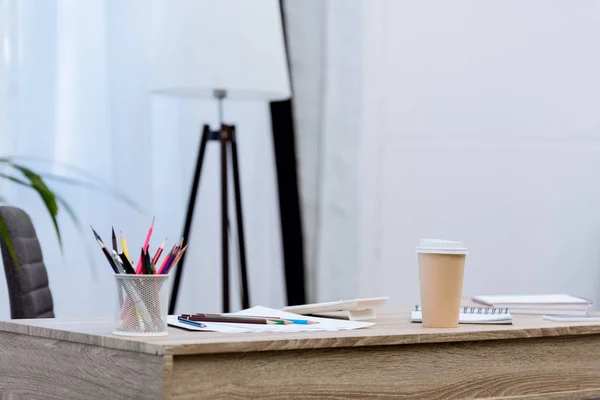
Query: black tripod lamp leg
x=224, y=138
x=240, y=221
x=189, y=216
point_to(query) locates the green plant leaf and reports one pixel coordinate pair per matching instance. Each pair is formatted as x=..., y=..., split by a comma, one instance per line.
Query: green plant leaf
x=15, y=179
x=6, y=237
x=8, y=242
x=48, y=197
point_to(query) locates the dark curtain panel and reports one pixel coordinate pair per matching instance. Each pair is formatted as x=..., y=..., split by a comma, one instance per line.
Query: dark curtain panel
x=289, y=203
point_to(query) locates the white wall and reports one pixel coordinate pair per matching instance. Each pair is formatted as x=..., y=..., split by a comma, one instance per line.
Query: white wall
x=479, y=122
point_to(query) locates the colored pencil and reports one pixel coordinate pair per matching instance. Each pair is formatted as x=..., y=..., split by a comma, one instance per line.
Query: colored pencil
x=235, y=320
x=138, y=269
x=165, y=262
x=149, y=265
x=126, y=264
x=293, y=321
x=300, y=321
x=114, y=241
x=168, y=263
x=168, y=260
x=142, y=265
x=173, y=264
x=117, y=261
x=96, y=235
x=124, y=247
x=149, y=234
x=108, y=256
x=193, y=323
x=159, y=252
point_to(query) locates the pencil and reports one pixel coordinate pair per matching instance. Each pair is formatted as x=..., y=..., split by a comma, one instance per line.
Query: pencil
x=159, y=252
x=166, y=268
x=149, y=266
x=175, y=261
x=114, y=241
x=149, y=234
x=235, y=320
x=138, y=269
x=96, y=236
x=143, y=268
x=108, y=256
x=187, y=321
x=126, y=264
x=124, y=247
x=168, y=260
x=117, y=261
x=293, y=321
x=165, y=262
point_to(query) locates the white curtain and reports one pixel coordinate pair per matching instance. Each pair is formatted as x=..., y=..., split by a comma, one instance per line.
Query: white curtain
x=464, y=120
x=74, y=89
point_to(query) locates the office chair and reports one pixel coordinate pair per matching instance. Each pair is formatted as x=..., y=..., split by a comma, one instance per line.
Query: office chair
x=27, y=282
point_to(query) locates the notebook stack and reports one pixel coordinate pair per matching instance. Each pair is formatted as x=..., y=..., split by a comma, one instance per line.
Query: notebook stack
x=555, y=304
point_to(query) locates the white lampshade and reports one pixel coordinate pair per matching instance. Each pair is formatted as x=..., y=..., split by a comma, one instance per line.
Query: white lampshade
x=236, y=45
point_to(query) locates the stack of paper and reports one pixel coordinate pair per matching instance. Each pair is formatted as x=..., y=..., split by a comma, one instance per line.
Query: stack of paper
x=324, y=324
x=555, y=304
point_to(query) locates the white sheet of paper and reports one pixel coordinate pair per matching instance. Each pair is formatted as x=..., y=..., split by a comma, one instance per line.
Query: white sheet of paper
x=173, y=321
x=325, y=324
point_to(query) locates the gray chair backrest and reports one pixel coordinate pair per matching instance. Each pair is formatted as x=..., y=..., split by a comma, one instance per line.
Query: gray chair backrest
x=27, y=282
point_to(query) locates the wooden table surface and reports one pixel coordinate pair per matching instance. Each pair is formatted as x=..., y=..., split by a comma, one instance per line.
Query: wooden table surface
x=531, y=359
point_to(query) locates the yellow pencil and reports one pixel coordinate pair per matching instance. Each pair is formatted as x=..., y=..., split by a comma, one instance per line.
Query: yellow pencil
x=124, y=246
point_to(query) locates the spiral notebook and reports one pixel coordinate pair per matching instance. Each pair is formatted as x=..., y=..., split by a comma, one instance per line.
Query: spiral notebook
x=474, y=315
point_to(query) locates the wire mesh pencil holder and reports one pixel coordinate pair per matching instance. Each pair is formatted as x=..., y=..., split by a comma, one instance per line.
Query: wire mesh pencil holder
x=141, y=305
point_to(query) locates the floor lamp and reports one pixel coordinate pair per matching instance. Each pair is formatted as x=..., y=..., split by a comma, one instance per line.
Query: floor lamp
x=229, y=50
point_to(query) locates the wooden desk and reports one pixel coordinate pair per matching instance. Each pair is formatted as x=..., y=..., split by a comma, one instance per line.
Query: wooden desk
x=80, y=359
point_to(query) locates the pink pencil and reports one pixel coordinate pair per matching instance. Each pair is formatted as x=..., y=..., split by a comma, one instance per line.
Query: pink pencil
x=159, y=252
x=138, y=268
x=168, y=259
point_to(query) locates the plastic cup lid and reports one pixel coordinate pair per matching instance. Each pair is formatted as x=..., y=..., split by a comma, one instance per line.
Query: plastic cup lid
x=438, y=246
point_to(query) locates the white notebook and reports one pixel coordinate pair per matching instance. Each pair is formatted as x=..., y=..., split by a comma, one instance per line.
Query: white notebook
x=538, y=304
x=473, y=315
x=547, y=300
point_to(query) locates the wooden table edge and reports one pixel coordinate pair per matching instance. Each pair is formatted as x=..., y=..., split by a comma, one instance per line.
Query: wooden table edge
x=112, y=342
x=247, y=342
x=349, y=341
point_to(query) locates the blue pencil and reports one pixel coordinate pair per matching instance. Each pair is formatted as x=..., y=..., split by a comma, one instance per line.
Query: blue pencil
x=300, y=321
x=193, y=323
